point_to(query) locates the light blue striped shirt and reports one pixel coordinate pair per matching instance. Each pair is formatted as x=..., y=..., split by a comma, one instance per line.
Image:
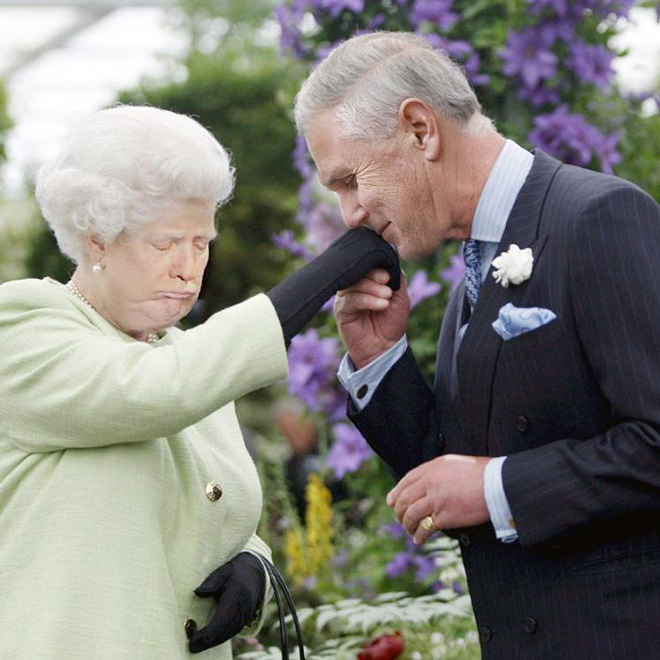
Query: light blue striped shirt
x=494, y=207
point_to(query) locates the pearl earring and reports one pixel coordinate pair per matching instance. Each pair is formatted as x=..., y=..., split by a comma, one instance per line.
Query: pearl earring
x=97, y=268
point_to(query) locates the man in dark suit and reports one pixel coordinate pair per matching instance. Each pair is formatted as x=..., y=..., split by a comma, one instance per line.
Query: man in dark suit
x=538, y=445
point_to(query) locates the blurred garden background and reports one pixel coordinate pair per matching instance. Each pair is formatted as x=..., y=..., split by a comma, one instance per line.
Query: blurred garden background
x=552, y=75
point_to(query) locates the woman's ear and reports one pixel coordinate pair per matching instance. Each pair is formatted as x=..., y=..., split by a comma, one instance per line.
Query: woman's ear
x=420, y=123
x=96, y=250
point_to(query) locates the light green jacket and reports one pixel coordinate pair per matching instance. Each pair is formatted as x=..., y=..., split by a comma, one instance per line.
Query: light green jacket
x=107, y=445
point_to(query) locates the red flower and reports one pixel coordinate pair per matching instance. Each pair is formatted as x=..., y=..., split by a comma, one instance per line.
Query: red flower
x=385, y=647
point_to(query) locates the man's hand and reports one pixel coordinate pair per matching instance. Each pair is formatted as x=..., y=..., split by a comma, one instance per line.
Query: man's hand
x=371, y=317
x=450, y=489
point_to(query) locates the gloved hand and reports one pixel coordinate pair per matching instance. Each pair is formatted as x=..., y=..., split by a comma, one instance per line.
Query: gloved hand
x=343, y=263
x=238, y=590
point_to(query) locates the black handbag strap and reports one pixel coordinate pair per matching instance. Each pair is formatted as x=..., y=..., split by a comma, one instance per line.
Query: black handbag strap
x=278, y=583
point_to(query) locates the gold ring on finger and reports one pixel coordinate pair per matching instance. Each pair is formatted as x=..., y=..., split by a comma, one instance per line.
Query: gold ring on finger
x=428, y=525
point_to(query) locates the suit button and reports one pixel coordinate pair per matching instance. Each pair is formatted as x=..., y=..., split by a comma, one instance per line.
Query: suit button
x=530, y=625
x=464, y=540
x=486, y=634
x=522, y=423
x=213, y=491
x=362, y=391
x=190, y=626
x=441, y=437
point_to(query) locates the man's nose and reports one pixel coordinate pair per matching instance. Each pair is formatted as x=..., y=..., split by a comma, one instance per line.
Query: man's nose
x=353, y=212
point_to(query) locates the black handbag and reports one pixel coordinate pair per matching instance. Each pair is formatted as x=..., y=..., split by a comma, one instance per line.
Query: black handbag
x=280, y=589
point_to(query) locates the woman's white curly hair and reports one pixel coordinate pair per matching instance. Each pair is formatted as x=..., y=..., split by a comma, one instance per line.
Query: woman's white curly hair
x=123, y=167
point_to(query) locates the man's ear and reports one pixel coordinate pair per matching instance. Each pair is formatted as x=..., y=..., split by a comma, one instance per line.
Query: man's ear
x=420, y=124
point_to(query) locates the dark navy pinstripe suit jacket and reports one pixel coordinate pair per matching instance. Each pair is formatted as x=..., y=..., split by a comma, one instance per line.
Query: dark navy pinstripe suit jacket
x=575, y=405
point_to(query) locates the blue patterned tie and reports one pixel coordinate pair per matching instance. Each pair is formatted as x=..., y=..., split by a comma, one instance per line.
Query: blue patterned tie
x=472, y=258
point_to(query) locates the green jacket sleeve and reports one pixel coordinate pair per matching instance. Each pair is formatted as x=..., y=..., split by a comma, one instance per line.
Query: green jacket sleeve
x=68, y=379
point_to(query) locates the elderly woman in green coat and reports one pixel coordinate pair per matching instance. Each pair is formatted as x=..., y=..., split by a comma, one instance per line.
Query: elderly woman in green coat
x=128, y=501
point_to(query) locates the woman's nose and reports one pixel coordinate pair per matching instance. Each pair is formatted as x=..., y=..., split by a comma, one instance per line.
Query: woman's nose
x=184, y=265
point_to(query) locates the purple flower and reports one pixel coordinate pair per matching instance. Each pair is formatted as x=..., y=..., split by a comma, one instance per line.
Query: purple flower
x=333, y=402
x=420, y=288
x=310, y=583
x=404, y=562
x=438, y=12
x=559, y=7
x=323, y=224
x=301, y=158
x=455, y=272
x=562, y=28
x=606, y=148
x=463, y=53
x=336, y=7
x=290, y=37
x=605, y=7
x=576, y=8
x=528, y=56
x=348, y=451
x=305, y=200
x=538, y=96
x=571, y=138
x=376, y=22
x=398, y=566
x=591, y=63
x=312, y=365
x=287, y=241
x=394, y=530
x=341, y=559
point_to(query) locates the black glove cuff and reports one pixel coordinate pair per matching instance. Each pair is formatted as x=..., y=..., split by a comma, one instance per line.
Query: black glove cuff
x=346, y=261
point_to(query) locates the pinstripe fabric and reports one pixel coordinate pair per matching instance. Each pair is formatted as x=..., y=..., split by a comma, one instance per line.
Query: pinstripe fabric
x=575, y=405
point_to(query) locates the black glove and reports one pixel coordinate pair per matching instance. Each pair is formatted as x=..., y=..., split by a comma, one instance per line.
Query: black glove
x=238, y=590
x=343, y=263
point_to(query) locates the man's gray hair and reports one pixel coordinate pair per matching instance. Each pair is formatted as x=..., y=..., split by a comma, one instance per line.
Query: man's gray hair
x=122, y=168
x=367, y=77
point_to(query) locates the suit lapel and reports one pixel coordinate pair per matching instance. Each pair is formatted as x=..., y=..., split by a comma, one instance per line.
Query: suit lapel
x=445, y=366
x=477, y=355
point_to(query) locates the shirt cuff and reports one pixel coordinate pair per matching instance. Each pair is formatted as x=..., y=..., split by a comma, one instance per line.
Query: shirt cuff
x=497, y=503
x=362, y=383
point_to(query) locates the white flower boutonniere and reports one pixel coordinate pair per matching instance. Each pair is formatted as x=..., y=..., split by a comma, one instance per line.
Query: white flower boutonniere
x=513, y=266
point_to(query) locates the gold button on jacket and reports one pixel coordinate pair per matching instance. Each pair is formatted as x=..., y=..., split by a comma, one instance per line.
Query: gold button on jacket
x=213, y=491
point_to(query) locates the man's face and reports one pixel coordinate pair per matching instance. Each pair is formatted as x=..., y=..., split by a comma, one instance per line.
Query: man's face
x=381, y=184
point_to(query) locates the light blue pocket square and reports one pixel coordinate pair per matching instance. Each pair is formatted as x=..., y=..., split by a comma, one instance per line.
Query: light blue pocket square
x=513, y=321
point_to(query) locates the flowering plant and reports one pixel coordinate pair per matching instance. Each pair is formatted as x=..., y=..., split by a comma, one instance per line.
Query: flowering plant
x=513, y=266
x=543, y=71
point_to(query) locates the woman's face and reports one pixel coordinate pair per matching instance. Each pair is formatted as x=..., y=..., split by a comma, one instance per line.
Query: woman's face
x=152, y=278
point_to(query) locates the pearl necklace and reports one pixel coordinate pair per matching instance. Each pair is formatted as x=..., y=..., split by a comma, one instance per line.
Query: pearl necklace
x=152, y=337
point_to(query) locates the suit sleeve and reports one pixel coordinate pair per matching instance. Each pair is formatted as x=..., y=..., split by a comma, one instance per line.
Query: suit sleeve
x=65, y=384
x=400, y=423
x=566, y=488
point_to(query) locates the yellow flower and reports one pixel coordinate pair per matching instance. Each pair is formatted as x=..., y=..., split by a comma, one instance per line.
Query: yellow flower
x=310, y=549
x=318, y=519
x=293, y=549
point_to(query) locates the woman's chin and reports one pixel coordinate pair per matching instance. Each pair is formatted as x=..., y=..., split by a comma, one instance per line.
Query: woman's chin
x=171, y=313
